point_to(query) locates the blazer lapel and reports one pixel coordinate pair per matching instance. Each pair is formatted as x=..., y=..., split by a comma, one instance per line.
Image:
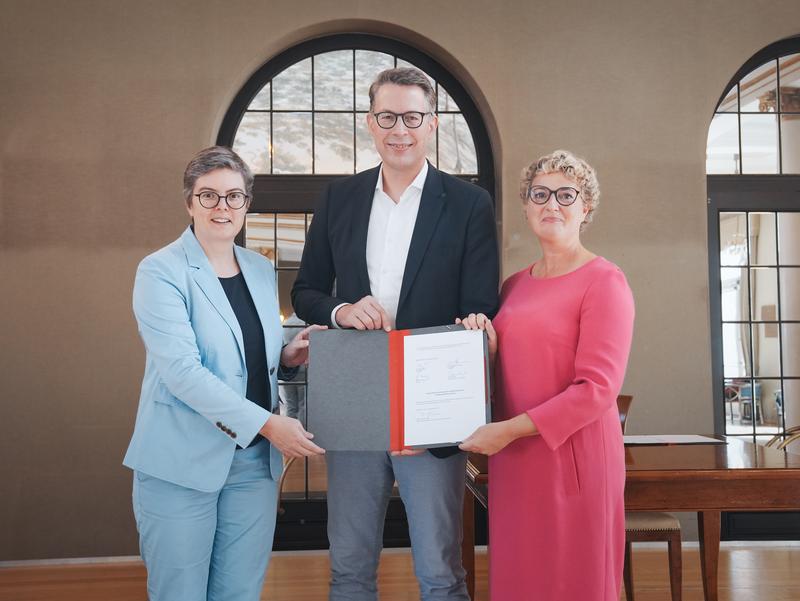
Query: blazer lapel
x=207, y=281
x=430, y=209
x=362, y=207
x=263, y=295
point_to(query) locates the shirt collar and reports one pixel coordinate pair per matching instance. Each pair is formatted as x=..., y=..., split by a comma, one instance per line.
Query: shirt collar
x=418, y=183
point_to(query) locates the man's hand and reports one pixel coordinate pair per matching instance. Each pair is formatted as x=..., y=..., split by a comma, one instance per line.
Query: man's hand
x=366, y=314
x=296, y=352
x=290, y=437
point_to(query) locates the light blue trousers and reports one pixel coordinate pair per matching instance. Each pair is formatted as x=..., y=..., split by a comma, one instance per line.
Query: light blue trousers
x=432, y=490
x=208, y=546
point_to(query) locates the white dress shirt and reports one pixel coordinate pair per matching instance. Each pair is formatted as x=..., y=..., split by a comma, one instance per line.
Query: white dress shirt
x=391, y=225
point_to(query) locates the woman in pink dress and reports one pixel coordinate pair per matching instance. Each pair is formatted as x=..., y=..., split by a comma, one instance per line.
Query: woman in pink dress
x=557, y=465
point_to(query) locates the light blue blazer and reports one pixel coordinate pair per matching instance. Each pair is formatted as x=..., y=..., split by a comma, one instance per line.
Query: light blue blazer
x=192, y=410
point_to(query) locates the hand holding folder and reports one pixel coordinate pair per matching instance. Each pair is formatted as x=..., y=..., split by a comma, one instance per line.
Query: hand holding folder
x=404, y=389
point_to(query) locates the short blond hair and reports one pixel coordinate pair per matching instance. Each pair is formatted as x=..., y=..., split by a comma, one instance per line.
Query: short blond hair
x=574, y=168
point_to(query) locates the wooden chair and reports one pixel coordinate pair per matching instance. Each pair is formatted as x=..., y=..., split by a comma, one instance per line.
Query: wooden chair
x=644, y=526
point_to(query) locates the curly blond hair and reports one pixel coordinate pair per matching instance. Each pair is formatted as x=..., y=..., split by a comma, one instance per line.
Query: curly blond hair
x=573, y=167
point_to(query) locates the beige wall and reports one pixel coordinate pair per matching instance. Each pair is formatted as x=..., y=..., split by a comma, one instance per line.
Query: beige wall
x=103, y=102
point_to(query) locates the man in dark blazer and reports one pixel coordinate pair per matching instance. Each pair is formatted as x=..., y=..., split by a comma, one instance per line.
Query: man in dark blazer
x=404, y=246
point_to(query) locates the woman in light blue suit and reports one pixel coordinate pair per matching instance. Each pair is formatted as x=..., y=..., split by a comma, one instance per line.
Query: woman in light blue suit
x=206, y=448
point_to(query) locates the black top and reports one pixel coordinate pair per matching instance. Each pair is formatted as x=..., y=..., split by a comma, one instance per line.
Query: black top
x=255, y=353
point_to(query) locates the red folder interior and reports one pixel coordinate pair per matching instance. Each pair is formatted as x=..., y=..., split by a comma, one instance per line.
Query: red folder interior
x=396, y=393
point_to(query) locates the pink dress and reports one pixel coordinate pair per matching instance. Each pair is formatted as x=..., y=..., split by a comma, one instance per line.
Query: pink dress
x=556, y=505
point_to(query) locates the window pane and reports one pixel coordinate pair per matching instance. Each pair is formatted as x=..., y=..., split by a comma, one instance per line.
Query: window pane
x=762, y=406
x=368, y=65
x=732, y=394
x=733, y=239
x=789, y=238
x=790, y=340
x=730, y=104
x=445, y=101
x=757, y=89
x=790, y=78
x=762, y=239
x=790, y=143
x=285, y=282
x=764, y=294
x=734, y=293
x=766, y=350
x=333, y=143
x=252, y=141
x=456, y=150
x=262, y=101
x=291, y=88
x=293, y=393
x=790, y=293
x=759, y=144
x=333, y=81
x=789, y=401
x=291, y=142
x=722, y=149
x=291, y=238
x=260, y=234
x=366, y=155
x=736, y=350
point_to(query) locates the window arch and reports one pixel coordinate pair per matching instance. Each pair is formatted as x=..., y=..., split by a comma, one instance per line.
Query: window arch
x=299, y=122
x=756, y=126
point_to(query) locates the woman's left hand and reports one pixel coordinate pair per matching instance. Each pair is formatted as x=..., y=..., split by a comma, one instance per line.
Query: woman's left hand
x=489, y=439
x=492, y=438
x=296, y=352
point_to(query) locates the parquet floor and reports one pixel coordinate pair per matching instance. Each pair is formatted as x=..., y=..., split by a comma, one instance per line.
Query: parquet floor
x=748, y=572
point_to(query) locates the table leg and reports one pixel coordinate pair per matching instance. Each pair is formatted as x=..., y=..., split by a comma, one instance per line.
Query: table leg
x=468, y=542
x=708, y=523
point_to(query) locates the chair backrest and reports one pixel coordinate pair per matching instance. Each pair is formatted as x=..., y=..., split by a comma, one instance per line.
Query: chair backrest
x=623, y=405
x=783, y=439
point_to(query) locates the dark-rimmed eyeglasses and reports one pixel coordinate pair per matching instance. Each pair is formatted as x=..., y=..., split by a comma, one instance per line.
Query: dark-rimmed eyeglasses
x=209, y=199
x=411, y=119
x=565, y=196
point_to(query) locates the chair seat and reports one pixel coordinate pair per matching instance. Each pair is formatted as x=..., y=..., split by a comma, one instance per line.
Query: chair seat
x=651, y=520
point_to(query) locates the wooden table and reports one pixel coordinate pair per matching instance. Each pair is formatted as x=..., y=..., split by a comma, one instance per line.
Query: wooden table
x=707, y=479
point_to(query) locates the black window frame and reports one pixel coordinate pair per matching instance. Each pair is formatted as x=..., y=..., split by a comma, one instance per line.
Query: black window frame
x=286, y=193
x=746, y=193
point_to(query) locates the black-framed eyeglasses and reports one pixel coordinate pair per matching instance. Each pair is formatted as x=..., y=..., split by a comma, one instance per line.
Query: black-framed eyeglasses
x=565, y=195
x=411, y=119
x=209, y=199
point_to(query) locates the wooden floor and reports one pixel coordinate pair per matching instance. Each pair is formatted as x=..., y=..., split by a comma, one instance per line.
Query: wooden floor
x=747, y=573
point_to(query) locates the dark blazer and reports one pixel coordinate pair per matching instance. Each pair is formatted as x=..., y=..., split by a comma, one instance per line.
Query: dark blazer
x=452, y=267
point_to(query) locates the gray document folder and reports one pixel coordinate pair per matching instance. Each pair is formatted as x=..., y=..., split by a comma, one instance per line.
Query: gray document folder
x=348, y=397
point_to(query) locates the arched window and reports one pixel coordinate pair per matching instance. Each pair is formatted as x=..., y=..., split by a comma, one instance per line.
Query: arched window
x=753, y=166
x=300, y=122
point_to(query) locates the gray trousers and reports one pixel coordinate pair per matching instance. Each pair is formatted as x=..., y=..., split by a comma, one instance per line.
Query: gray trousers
x=432, y=490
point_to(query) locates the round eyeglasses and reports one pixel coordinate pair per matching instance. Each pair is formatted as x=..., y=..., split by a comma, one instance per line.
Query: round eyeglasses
x=565, y=196
x=209, y=199
x=411, y=119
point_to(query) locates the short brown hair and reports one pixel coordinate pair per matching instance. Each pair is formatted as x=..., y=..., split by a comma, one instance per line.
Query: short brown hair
x=404, y=76
x=210, y=159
